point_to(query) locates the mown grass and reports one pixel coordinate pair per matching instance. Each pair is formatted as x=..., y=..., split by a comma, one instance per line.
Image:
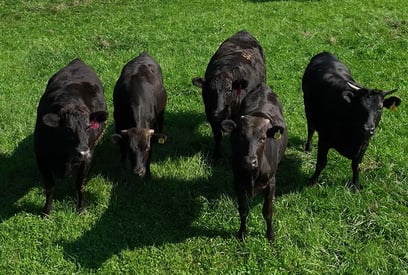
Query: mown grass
x=184, y=219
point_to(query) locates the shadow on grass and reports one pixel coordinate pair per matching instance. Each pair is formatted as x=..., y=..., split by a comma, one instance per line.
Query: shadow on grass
x=156, y=211
x=290, y=177
x=19, y=174
x=264, y=1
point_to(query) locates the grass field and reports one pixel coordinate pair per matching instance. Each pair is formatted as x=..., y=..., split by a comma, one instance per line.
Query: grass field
x=184, y=219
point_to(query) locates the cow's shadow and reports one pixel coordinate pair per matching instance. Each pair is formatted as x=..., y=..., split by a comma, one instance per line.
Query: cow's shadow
x=289, y=177
x=20, y=174
x=160, y=210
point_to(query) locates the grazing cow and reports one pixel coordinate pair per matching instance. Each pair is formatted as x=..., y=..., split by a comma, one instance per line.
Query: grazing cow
x=139, y=100
x=258, y=142
x=237, y=67
x=344, y=114
x=71, y=117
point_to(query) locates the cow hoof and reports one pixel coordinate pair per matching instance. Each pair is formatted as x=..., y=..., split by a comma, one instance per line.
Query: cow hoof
x=82, y=210
x=311, y=183
x=356, y=189
x=241, y=235
x=45, y=212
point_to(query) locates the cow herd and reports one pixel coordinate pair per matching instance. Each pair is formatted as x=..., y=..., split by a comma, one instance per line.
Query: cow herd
x=72, y=115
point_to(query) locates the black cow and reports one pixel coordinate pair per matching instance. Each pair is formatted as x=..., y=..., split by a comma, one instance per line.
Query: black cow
x=344, y=114
x=71, y=117
x=237, y=67
x=258, y=142
x=139, y=100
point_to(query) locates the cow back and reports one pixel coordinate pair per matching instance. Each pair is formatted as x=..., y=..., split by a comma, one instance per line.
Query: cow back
x=139, y=95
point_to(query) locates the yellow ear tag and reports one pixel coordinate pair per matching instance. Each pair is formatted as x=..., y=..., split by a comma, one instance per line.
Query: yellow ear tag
x=393, y=107
x=277, y=135
x=161, y=140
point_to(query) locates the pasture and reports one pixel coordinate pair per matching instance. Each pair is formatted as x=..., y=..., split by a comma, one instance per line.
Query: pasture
x=184, y=219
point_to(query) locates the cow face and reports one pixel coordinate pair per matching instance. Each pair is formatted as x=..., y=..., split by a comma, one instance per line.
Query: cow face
x=73, y=127
x=137, y=143
x=251, y=134
x=367, y=107
x=221, y=94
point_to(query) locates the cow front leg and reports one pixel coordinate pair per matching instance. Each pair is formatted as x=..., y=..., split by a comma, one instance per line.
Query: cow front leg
x=355, y=166
x=49, y=186
x=322, y=151
x=267, y=209
x=243, y=210
x=216, y=130
x=149, y=157
x=80, y=185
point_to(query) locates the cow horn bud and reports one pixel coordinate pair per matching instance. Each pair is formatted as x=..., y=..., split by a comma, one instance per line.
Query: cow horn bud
x=353, y=86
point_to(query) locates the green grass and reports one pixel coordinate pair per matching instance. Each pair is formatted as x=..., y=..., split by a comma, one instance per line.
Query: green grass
x=184, y=219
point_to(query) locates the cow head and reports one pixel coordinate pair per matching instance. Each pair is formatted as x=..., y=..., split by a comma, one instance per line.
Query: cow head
x=74, y=126
x=137, y=143
x=250, y=134
x=221, y=94
x=366, y=106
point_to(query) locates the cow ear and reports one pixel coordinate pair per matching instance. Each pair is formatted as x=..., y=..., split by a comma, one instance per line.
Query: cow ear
x=99, y=116
x=228, y=126
x=198, y=81
x=51, y=120
x=347, y=96
x=392, y=103
x=116, y=138
x=275, y=132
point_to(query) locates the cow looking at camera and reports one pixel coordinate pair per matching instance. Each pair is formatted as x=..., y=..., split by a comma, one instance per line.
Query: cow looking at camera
x=258, y=142
x=344, y=113
x=237, y=67
x=71, y=117
x=139, y=101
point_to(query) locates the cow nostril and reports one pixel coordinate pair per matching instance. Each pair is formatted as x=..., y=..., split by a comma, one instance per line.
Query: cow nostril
x=139, y=172
x=370, y=129
x=83, y=152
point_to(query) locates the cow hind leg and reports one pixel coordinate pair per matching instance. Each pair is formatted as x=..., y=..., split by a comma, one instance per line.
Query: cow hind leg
x=322, y=151
x=310, y=132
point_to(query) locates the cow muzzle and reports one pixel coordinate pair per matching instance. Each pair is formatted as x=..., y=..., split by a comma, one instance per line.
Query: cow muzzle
x=369, y=129
x=251, y=163
x=84, y=152
x=140, y=172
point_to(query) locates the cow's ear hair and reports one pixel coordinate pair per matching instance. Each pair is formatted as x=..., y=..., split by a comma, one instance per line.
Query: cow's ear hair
x=275, y=132
x=240, y=84
x=347, y=96
x=198, y=81
x=160, y=138
x=392, y=102
x=99, y=116
x=228, y=125
x=116, y=138
x=51, y=119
